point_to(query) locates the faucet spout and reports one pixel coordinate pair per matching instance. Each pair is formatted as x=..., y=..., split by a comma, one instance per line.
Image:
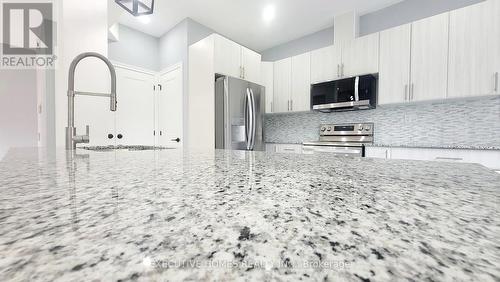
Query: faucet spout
x=71, y=138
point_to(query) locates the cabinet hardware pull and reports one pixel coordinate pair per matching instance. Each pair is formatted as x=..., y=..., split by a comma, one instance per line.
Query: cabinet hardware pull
x=110, y=136
x=449, y=159
x=291, y=105
x=496, y=82
x=412, y=92
x=406, y=92
x=154, y=132
x=176, y=140
x=342, y=70
x=119, y=136
x=338, y=70
x=272, y=107
x=160, y=86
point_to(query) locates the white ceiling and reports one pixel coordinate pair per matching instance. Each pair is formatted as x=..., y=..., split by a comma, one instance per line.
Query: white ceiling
x=241, y=20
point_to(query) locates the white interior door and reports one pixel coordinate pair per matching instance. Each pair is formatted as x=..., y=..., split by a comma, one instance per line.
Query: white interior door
x=301, y=83
x=429, y=58
x=394, y=75
x=472, y=68
x=169, y=109
x=135, y=111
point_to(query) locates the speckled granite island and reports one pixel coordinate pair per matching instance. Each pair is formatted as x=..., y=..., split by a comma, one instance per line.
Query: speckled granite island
x=224, y=215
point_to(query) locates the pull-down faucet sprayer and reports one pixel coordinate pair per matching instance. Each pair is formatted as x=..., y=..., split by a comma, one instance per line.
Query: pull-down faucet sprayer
x=71, y=138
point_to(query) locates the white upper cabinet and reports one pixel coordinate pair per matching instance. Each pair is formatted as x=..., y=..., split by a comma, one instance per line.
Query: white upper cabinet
x=227, y=57
x=267, y=76
x=360, y=56
x=282, y=85
x=301, y=83
x=429, y=58
x=325, y=64
x=474, y=50
x=251, y=65
x=394, y=76
x=234, y=60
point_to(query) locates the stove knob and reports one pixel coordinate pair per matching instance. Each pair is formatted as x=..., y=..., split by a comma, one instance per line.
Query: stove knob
x=360, y=128
x=329, y=129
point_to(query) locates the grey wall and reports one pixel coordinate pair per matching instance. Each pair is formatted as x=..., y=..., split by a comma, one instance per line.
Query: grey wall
x=135, y=48
x=392, y=16
x=471, y=122
x=305, y=44
x=406, y=12
x=197, y=31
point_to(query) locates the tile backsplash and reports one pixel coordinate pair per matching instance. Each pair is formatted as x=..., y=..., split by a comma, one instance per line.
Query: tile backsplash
x=473, y=122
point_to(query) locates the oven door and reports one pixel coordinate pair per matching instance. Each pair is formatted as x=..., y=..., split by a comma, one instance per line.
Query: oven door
x=334, y=150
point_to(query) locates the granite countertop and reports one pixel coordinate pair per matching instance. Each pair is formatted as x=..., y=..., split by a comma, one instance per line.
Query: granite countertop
x=450, y=147
x=227, y=215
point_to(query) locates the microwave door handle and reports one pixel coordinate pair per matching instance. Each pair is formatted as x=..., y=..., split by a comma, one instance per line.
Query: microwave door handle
x=356, y=89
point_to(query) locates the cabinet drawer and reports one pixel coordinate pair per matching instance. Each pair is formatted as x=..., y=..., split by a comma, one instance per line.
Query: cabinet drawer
x=289, y=148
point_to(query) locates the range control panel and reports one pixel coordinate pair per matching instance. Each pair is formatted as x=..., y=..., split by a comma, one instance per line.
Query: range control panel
x=346, y=129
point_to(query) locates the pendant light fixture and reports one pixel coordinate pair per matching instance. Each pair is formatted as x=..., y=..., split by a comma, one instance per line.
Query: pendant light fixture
x=137, y=7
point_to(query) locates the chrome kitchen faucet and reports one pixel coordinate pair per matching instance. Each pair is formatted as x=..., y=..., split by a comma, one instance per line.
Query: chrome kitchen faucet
x=71, y=138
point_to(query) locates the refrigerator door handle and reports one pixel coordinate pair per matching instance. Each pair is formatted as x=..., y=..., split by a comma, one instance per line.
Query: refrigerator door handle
x=254, y=120
x=248, y=118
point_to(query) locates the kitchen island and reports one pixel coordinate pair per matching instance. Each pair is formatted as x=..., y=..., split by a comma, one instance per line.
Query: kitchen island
x=229, y=215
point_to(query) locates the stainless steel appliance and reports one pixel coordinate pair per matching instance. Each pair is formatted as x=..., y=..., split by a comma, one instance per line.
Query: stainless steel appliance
x=354, y=93
x=342, y=139
x=239, y=114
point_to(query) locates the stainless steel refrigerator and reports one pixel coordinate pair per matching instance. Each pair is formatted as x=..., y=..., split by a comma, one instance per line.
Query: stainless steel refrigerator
x=239, y=114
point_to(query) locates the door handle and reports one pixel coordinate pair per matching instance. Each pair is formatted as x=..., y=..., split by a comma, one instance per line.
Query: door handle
x=254, y=120
x=248, y=113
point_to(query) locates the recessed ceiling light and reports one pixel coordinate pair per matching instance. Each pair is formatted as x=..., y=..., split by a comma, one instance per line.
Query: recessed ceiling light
x=144, y=19
x=269, y=13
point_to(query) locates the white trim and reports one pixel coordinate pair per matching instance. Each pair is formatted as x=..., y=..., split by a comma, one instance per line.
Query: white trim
x=171, y=68
x=133, y=68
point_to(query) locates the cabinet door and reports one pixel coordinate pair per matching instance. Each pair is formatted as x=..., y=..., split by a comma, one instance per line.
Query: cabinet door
x=496, y=45
x=227, y=57
x=282, y=85
x=360, y=56
x=394, y=74
x=378, y=152
x=429, y=58
x=135, y=111
x=268, y=82
x=250, y=61
x=473, y=45
x=301, y=83
x=169, y=109
x=325, y=64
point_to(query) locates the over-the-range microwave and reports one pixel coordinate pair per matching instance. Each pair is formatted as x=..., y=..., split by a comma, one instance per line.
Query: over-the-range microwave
x=349, y=94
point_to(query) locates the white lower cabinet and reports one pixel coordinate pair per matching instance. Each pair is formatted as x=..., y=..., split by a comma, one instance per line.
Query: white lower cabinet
x=284, y=148
x=487, y=158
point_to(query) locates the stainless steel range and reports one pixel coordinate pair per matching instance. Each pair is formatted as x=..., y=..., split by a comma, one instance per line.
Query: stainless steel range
x=342, y=139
